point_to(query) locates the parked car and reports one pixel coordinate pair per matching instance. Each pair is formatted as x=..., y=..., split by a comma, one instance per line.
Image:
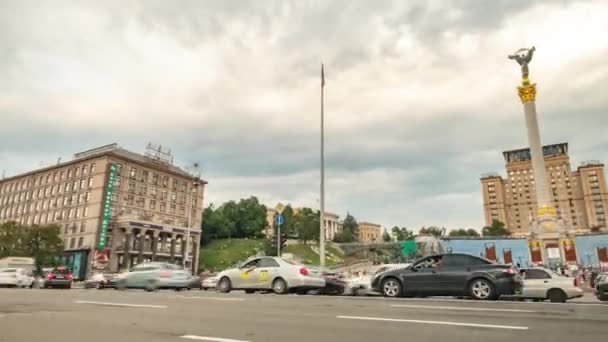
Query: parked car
x=541, y=284
x=16, y=277
x=270, y=273
x=362, y=284
x=154, y=275
x=101, y=281
x=210, y=283
x=58, y=277
x=601, y=286
x=452, y=274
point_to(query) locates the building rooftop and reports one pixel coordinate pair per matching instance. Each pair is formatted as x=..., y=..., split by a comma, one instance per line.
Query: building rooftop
x=523, y=154
x=117, y=151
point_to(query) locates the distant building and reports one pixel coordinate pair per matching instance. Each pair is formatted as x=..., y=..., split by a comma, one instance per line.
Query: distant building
x=332, y=223
x=369, y=232
x=115, y=208
x=580, y=197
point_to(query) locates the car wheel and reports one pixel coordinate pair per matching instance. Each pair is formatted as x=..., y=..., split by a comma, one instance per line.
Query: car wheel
x=151, y=285
x=603, y=298
x=391, y=287
x=557, y=296
x=279, y=286
x=482, y=289
x=121, y=285
x=224, y=285
x=68, y=286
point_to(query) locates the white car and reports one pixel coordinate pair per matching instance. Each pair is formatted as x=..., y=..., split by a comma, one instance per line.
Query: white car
x=17, y=277
x=209, y=283
x=270, y=273
x=541, y=283
x=362, y=284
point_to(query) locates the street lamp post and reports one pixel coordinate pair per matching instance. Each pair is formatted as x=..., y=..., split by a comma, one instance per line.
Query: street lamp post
x=195, y=183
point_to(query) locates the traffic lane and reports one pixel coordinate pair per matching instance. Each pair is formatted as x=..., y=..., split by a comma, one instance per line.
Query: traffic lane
x=262, y=317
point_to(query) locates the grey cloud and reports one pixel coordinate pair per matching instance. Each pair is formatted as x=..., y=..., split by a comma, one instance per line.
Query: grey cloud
x=389, y=157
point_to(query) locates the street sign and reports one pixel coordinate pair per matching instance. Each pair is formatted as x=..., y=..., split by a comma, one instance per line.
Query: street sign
x=279, y=208
x=279, y=219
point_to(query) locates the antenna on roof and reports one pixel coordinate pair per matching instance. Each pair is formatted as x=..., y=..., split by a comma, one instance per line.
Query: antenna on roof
x=58, y=160
x=156, y=153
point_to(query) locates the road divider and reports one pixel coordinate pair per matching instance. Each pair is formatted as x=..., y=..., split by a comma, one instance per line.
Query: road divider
x=458, y=324
x=121, y=304
x=458, y=308
x=212, y=339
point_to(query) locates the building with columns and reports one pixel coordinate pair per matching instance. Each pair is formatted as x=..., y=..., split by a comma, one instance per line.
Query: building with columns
x=332, y=223
x=115, y=208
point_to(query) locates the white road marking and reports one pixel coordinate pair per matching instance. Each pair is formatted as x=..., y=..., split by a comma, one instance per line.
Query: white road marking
x=121, y=304
x=212, y=339
x=457, y=308
x=227, y=299
x=475, y=325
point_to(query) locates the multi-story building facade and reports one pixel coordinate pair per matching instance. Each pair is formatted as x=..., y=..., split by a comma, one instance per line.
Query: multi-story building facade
x=580, y=197
x=115, y=208
x=369, y=232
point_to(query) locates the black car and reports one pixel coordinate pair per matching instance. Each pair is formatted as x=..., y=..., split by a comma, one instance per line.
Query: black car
x=601, y=286
x=451, y=274
x=59, y=277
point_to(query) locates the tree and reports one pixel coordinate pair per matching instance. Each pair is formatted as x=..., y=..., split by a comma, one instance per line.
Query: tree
x=386, y=237
x=12, y=236
x=497, y=228
x=44, y=244
x=463, y=232
x=245, y=219
x=307, y=225
x=351, y=226
x=402, y=234
x=288, y=222
x=215, y=225
x=434, y=231
x=250, y=220
x=344, y=236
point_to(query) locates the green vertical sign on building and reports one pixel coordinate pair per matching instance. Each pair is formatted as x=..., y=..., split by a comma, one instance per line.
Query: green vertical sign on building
x=105, y=219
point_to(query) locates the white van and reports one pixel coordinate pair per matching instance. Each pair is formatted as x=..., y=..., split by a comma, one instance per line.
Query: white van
x=17, y=277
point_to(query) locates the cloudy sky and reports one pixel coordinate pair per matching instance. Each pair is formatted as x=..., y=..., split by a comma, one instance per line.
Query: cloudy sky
x=420, y=97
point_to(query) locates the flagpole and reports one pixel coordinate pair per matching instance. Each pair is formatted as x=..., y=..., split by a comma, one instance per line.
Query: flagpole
x=322, y=199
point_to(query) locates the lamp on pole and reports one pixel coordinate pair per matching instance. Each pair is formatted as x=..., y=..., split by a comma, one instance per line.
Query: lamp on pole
x=193, y=190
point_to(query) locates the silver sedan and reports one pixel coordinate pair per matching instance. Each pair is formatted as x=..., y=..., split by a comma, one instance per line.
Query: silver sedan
x=270, y=273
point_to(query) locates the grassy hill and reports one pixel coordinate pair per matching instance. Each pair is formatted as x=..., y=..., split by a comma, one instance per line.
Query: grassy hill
x=220, y=254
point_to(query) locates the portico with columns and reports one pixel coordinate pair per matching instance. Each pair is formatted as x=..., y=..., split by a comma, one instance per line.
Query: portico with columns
x=135, y=242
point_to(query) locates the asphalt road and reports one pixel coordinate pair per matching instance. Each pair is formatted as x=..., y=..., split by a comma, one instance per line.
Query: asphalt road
x=109, y=315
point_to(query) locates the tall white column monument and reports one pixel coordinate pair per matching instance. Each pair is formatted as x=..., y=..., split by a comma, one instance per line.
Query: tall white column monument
x=545, y=220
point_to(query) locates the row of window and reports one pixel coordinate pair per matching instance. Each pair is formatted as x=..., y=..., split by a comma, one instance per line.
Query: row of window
x=47, y=178
x=49, y=217
x=50, y=204
x=156, y=179
x=50, y=191
x=72, y=243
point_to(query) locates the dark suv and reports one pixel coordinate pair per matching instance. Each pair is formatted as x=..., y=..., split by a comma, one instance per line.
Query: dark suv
x=451, y=274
